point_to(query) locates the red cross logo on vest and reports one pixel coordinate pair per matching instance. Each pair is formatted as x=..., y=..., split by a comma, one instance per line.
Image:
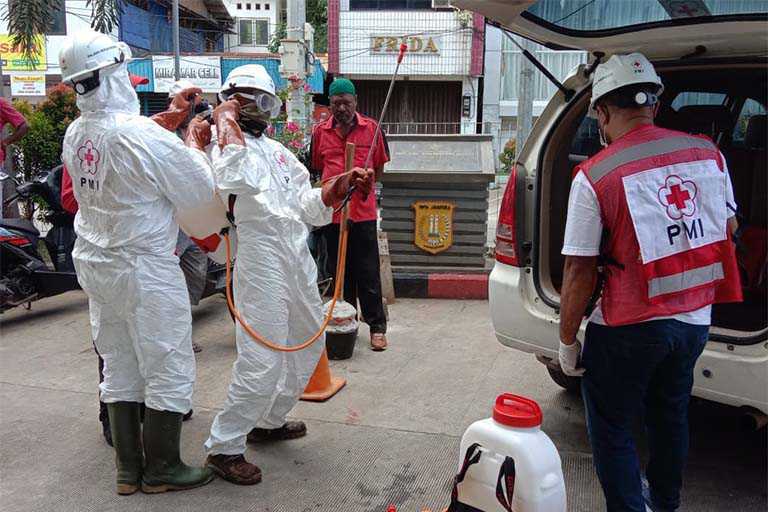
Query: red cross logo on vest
x=678, y=197
x=89, y=157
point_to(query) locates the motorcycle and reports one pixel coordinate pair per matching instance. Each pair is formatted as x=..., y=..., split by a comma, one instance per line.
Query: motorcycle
x=25, y=277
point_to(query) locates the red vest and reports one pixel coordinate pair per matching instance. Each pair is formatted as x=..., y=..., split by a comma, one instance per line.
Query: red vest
x=662, y=197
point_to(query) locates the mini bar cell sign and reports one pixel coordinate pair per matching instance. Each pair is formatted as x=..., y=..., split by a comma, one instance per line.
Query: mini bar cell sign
x=202, y=71
x=417, y=45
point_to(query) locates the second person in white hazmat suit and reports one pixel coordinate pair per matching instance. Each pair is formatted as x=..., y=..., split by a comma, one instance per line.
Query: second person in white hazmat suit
x=130, y=175
x=275, y=282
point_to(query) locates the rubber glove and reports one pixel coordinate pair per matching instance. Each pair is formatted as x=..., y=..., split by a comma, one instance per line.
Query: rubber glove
x=198, y=134
x=179, y=110
x=225, y=117
x=569, y=356
x=334, y=191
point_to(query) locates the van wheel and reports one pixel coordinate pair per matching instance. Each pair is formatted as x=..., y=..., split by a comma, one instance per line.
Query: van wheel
x=570, y=384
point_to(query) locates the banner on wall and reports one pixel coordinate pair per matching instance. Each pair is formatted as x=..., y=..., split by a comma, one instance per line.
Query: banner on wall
x=202, y=71
x=14, y=59
x=28, y=84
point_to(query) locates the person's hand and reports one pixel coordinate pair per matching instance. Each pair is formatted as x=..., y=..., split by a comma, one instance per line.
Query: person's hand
x=335, y=190
x=179, y=110
x=362, y=180
x=186, y=99
x=198, y=134
x=569, y=356
x=225, y=117
x=229, y=109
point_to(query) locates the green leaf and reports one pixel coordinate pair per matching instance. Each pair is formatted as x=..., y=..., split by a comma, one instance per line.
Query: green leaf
x=105, y=14
x=27, y=21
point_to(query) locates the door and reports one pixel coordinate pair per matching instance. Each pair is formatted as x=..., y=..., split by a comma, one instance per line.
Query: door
x=652, y=27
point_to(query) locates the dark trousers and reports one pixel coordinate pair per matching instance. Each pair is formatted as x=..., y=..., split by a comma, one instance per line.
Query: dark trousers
x=635, y=369
x=362, y=279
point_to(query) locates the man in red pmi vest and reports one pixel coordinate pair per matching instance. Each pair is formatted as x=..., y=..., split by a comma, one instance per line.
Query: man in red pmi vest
x=658, y=206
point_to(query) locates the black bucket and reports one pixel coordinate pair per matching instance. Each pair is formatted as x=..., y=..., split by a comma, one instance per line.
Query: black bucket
x=340, y=345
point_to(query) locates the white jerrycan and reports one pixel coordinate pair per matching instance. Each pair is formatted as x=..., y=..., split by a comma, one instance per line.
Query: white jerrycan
x=508, y=464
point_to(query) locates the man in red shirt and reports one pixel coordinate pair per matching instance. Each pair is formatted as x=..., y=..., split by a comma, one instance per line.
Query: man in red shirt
x=9, y=115
x=329, y=139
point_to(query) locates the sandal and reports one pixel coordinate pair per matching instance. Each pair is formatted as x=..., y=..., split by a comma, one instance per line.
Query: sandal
x=378, y=342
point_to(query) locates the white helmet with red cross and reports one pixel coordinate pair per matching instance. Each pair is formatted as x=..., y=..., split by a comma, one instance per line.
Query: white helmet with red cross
x=623, y=70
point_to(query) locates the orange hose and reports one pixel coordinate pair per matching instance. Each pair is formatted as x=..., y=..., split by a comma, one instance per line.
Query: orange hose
x=338, y=286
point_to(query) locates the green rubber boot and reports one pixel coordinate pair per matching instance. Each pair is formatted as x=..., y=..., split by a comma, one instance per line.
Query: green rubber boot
x=164, y=470
x=125, y=425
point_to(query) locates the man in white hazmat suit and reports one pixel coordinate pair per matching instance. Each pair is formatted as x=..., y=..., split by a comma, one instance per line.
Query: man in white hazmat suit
x=275, y=276
x=129, y=175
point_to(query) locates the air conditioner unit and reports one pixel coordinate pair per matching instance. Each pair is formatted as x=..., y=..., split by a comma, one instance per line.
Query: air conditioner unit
x=441, y=4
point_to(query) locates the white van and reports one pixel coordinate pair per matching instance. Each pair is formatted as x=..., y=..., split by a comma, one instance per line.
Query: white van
x=711, y=55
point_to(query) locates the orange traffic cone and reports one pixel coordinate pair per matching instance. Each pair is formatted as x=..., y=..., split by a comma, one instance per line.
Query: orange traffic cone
x=322, y=385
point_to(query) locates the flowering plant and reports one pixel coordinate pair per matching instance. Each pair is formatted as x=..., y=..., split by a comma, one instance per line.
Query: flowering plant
x=290, y=133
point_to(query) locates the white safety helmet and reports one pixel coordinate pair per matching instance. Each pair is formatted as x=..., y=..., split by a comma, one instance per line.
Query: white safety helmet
x=620, y=71
x=88, y=54
x=178, y=86
x=247, y=81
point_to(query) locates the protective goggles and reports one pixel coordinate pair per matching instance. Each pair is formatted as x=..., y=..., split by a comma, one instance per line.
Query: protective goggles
x=263, y=101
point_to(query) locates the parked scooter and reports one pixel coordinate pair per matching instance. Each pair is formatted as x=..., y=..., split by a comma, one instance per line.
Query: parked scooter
x=24, y=276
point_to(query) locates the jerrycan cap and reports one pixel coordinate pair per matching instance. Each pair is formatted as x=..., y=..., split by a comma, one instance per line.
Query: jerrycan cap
x=516, y=411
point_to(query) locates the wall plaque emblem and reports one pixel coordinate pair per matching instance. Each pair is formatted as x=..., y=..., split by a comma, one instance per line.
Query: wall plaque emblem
x=433, y=225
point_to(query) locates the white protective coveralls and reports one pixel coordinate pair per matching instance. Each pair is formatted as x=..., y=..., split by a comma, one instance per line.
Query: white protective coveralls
x=128, y=176
x=275, y=285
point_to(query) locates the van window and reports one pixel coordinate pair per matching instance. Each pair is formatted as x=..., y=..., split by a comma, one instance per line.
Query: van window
x=598, y=15
x=750, y=108
x=685, y=99
x=586, y=141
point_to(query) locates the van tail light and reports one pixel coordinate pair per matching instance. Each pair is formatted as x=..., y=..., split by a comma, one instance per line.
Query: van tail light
x=506, y=232
x=18, y=241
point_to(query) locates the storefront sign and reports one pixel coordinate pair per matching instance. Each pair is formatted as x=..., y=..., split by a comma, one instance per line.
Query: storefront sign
x=417, y=45
x=204, y=72
x=433, y=231
x=14, y=59
x=28, y=84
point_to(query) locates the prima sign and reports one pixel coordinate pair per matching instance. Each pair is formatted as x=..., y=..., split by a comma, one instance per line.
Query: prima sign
x=417, y=45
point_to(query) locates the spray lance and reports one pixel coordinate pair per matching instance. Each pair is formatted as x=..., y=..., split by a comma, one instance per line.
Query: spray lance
x=400, y=55
x=349, y=155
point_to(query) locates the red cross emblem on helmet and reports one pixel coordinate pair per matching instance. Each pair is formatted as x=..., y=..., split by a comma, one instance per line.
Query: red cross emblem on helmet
x=89, y=157
x=678, y=197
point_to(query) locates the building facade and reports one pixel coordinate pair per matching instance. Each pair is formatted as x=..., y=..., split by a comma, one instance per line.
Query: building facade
x=503, y=60
x=439, y=83
x=256, y=23
x=145, y=25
